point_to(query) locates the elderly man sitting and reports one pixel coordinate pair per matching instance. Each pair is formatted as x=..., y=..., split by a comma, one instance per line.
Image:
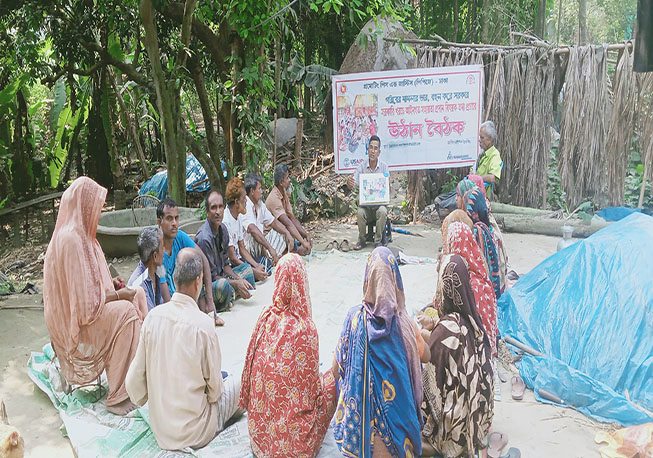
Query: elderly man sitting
x=278, y=203
x=150, y=273
x=489, y=163
x=189, y=399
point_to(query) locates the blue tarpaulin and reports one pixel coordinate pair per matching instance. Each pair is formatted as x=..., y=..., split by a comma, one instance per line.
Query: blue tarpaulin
x=617, y=213
x=196, y=179
x=589, y=309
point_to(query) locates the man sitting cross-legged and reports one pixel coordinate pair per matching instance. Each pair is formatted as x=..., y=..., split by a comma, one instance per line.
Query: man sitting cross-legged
x=213, y=239
x=263, y=231
x=238, y=253
x=174, y=239
x=177, y=366
x=278, y=203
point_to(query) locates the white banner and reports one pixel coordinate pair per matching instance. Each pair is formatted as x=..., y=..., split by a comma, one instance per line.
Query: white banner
x=426, y=118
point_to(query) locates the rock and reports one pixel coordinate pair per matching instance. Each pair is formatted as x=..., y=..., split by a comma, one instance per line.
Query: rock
x=379, y=54
x=286, y=130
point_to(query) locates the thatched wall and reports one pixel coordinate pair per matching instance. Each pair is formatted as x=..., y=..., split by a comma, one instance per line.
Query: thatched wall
x=523, y=89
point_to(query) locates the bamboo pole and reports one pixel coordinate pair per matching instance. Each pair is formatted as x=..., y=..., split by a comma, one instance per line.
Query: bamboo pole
x=274, y=146
x=443, y=45
x=298, y=140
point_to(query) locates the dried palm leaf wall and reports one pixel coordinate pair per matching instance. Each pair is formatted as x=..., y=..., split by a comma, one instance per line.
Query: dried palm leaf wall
x=522, y=87
x=519, y=95
x=622, y=125
x=645, y=120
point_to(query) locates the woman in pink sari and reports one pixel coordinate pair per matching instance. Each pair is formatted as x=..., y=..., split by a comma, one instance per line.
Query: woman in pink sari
x=92, y=325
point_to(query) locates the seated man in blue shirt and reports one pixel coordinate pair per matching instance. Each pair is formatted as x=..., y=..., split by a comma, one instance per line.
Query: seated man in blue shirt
x=174, y=240
x=150, y=271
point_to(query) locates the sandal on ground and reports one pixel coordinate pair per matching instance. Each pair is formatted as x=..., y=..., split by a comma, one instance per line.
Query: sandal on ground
x=512, y=453
x=518, y=387
x=344, y=246
x=359, y=246
x=496, y=442
x=332, y=245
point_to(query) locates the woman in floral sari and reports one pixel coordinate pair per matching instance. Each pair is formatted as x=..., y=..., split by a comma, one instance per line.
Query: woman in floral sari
x=458, y=383
x=380, y=381
x=289, y=403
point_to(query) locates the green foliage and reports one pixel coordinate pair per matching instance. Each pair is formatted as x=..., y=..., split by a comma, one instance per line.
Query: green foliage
x=449, y=185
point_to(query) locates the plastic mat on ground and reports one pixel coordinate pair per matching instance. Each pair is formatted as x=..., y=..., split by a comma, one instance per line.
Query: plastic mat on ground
x=94, y=431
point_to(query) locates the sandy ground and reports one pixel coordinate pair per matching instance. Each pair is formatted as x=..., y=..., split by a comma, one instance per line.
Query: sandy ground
x=538, y=430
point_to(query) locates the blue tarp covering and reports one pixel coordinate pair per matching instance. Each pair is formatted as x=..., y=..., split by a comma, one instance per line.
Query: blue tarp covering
x=589, y=309
x=617, y=213
x=194, y=174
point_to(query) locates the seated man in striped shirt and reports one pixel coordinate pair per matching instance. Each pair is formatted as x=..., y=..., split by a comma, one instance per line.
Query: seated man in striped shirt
x=264, y=233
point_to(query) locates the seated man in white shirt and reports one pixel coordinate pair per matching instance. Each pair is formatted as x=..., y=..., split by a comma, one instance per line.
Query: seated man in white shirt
x=189, y=401
x=263, y=232
x=238, y=253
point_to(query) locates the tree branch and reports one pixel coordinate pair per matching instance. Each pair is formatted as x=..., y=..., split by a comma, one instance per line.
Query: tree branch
x=124, y=67
x=215, y=44
x=186, y=26
x=50, y=80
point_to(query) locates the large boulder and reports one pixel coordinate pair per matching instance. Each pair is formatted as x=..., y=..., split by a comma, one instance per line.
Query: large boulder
x=370, y=52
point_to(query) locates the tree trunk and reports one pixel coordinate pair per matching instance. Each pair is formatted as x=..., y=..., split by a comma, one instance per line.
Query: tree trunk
x=98, y=162
x=108, y=120
x=211, y=137
x=129, y=125
x=456, y=11
x=485, y=27
x=277, y=74
x=540, y=29
x=175, y=158
x=21, y=161
x=582, y=22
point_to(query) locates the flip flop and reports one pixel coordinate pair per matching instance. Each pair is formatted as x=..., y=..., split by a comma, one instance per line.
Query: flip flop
x=512, y=453
x=332, y=245
x=344, y=246
x=518, y=387
x=496, y=442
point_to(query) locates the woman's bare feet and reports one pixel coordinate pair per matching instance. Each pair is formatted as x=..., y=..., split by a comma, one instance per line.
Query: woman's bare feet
x=122, y=408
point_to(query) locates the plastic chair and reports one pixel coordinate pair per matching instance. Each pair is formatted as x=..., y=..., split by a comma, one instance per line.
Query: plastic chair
x=489, y=187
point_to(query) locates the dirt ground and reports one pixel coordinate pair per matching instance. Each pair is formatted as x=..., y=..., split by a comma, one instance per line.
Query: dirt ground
x=538, y=430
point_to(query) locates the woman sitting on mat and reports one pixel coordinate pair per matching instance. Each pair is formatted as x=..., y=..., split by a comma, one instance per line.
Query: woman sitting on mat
x=289, y=403
x=380, y=379
x=458, y=383
x=94, y=325
x=474, y=203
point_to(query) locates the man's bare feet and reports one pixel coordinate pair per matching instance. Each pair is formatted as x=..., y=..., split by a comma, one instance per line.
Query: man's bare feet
x=219, y=321
x=122, y=408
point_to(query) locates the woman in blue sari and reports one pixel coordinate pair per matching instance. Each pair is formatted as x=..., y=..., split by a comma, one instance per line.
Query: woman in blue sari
x=380, y=379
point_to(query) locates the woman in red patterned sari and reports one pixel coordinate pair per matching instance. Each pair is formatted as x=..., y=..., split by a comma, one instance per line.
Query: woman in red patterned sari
x=459, y=240
x=289, y=403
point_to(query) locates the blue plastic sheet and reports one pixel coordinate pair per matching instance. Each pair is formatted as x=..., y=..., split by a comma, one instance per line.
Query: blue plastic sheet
x=617, y=213
x=196, y=179
x=589, y=309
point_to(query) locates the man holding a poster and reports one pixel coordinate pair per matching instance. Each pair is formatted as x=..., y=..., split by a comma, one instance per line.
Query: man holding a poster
x=370, y=213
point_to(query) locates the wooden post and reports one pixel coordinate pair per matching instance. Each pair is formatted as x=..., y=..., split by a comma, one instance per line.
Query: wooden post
x=298, y=140
x=274, y=146
x=16, y=241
